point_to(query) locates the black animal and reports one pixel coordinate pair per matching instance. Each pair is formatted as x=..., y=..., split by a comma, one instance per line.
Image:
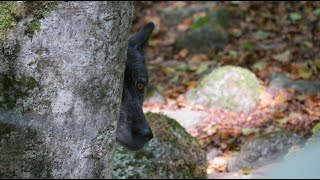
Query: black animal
x=133, y=130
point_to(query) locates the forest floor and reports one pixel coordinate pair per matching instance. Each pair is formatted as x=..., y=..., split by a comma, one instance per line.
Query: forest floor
x=264, y=38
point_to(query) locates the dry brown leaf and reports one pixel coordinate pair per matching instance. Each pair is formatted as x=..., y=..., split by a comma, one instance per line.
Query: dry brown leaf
x=183, y=53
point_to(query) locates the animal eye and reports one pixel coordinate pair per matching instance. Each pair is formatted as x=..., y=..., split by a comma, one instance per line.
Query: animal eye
x=140, y=86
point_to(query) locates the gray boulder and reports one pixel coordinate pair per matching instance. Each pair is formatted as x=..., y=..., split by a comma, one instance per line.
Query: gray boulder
x=229, y=87
x=279, y=80
x=207, y=34
x=264, y=150
x=300, y=163
x=187, y=118
x=171, y=154
x=172, y=16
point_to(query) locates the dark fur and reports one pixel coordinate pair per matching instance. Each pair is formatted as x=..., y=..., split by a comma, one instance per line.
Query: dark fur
x=133, y=130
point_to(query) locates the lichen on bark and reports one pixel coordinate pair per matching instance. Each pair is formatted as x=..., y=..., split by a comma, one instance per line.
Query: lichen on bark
x=11, y=12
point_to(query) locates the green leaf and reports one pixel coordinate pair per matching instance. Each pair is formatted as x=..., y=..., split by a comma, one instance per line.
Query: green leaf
x=316, y=12
x=260, y=65
x=168, y=70
x=248, y=131
x=183, y=67
x=262, y=89
x=283, y=57
x=250, y=45
x=202, y=68
x=307, y=45
x=261, y=34
x=235, y=2
x=295, y=16
x=236, y=32
x=233, y=53
x=160, y=88
x=283, y=121
x=317, y=63
x=175, y=79
x=199, y=22
x=246, y=170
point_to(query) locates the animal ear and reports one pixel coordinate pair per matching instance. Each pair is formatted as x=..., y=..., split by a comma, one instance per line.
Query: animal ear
x=140, y=39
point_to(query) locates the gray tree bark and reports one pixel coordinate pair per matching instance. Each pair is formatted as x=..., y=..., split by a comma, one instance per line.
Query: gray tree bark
x=59, y=111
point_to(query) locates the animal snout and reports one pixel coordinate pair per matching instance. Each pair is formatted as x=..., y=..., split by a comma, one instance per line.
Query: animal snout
x=144, y=132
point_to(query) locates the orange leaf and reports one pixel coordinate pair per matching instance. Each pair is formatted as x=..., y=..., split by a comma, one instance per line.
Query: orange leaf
x=183, y=53
x=313, y=100
x=192, y=85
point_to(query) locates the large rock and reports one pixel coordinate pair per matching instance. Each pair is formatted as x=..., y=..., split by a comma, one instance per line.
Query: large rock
x=264, y=150
x=305, y=165
x=208, y=34
x=171, y=154
x=203, y=40
x=302, y=163
x=187, y=118
x=172, y=16
x=229, y=87
x=279, y=80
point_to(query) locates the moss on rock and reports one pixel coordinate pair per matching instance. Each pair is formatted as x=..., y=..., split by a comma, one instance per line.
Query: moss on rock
x=10, y=14
x=171, y=154
x=38, y=10
x=229, y=87
x=5, y=129
x=12, y=87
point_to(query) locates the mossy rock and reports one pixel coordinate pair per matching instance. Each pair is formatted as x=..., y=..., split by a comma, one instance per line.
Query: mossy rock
x=228, y=87
x=263, y=150
x=173, y=15
x=208, y=38
x=171, y=154
x=221, y=17
x=207, y=34
x=313, y=140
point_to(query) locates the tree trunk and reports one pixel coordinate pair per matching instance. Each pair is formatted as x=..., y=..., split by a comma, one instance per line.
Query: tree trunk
x=60, y=89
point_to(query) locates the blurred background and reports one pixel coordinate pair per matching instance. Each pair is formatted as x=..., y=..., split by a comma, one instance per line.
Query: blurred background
x=240, y=77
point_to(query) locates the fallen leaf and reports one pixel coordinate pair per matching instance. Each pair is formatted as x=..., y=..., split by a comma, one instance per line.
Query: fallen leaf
x=295, y=16
x=182, y=67
x=316, y=12
x=250, y=45
x=202, y=68
x=283, y=57
x=283, y=120
x=260, y=65
x=168, y=70
x=199, y=57
x=304, y=71
x=183, y=53
x=248, y=131
x=236, y=32
x=307, y=45
x=179, y=4
x=233, y=53
x=192, y=85
x=261, y=35
x=246, y=170
x=184, y=26
x=280, y=98
x=317, y=63
x=313, y=101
